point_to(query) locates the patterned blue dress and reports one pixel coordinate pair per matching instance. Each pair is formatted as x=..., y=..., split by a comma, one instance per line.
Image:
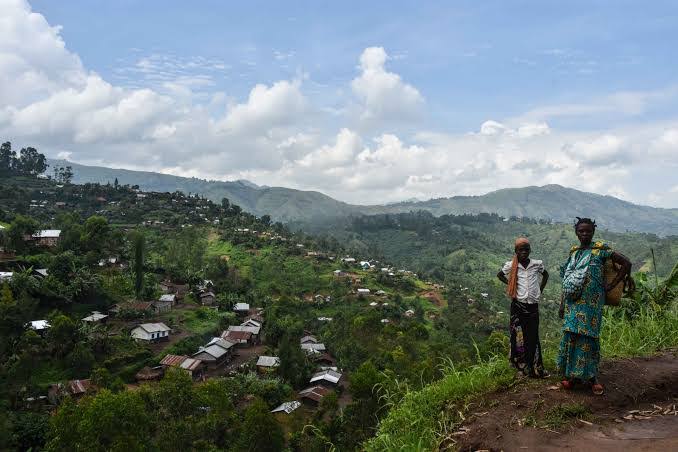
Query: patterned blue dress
x=584, y=293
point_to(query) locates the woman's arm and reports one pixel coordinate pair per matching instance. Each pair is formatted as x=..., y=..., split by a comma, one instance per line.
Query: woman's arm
x=625, y=272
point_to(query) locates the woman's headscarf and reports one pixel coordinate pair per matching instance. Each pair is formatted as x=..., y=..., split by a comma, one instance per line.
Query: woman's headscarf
x=512, y=288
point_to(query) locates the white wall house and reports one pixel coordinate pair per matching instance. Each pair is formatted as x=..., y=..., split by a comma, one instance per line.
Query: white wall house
x=151, y=332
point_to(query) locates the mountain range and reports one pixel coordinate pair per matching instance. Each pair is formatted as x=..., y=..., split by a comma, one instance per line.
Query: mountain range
x=550, y=202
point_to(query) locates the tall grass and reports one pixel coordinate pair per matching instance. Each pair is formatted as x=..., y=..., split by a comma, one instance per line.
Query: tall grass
x=424, y=418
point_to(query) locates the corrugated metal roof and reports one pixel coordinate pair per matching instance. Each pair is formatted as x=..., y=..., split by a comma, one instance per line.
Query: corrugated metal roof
x=173, y=360
x=168, y=297
x=287, y=407
x=223, y=343
x=191, y=364
x=47, y=234
x=237, y=336
x=313, y=347
x=315, y=393
x=251, y=329
x=326, y=375
x=308, y=339
x=241, y=307
x=79, y=386
x=212, y=350
x=154, y=327
x=39, y=325
x=268, y=361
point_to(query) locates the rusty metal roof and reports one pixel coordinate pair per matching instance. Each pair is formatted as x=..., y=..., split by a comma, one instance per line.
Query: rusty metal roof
x=173, y=360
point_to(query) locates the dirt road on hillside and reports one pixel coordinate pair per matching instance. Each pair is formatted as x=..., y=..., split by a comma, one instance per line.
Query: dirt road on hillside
x=637, y=413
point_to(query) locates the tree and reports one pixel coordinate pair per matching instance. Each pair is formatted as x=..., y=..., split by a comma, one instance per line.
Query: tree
x=115, y=183
x=260, y=431
x=6, y=297
x=62, y=334
x=21, y=228
x=95, y=234
x=138, y=251
x=106, y=422
x=292, y=361
x=7, y=158
x=31, y=162
x=185, y=254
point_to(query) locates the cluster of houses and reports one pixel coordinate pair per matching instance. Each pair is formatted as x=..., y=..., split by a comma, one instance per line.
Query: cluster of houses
x=323, y=382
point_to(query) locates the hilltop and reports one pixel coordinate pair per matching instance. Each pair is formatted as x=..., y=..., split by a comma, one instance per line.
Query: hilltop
x=551, y=202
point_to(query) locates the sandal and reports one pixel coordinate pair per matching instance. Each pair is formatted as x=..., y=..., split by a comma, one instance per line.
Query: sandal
x=597, y=389
x=567, y=384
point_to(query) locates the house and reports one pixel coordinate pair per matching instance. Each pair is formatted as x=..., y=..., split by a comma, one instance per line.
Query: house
x=255, y=330
x=363, y=292
x=162, y=306
x=314, y=394
x=409, y=313
x=238, y=337
x=385, y=321
x=287, y=407
x=241, y=308
x=311, y=348
x=338, y=273
x=256, y=317
x=194, y=367
x=168, y=298
x=380, y=293
x=326, y=377
x=47, y=237
x=38, y=325
x=207, y=298
x=205, y=284
x=216, y=352
x=324, y=319
x=252, y=323
x=348, y=260
x=151, y=332
x=140, y=306
x=6, y=276
x=308, y=340
x=95, y=317
x=73, y=388
x=267, y=363
x=365, y=265
x=324, y=359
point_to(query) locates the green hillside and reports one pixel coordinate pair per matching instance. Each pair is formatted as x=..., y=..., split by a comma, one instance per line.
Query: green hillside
x=551, y=202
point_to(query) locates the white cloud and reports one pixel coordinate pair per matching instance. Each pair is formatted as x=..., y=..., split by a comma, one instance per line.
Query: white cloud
x=275, y=135
x=267, y=107
x=382, y=94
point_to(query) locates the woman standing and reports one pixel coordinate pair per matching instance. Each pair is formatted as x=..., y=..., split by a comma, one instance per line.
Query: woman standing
x=582, y=303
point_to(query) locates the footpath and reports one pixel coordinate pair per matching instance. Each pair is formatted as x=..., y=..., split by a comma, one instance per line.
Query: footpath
x=639, y=412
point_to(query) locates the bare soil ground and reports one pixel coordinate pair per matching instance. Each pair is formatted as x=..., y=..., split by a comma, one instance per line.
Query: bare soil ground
x=636, y=413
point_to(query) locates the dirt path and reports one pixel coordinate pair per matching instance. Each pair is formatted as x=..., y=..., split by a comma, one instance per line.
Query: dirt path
x=637, y=413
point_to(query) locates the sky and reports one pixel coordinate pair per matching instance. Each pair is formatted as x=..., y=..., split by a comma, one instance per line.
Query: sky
x=368, y=102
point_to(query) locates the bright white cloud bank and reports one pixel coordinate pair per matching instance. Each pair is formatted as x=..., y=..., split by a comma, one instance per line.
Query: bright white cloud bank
x=276, y=136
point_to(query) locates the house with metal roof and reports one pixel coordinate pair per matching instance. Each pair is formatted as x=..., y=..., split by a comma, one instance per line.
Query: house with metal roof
x=47, y=237
x=326, y=377
x=287, y=407
x=151, y=332
x=267, y=363
x=308, y=339
x=238, y=337
x=314, y=394
x=241, y=308
x=95, y=317
x=216, y=352
x=193, y=366
x=313, y=347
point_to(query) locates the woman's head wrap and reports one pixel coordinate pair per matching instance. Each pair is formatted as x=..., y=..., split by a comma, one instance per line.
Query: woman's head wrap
x=512, y=287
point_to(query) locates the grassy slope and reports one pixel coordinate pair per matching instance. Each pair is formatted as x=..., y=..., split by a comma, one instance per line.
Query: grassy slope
x=421, y=419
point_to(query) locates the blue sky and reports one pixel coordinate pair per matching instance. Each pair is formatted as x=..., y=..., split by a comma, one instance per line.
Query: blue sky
x=453, y=98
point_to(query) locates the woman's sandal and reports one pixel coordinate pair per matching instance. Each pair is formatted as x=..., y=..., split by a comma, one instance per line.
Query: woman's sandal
x=597, y=389
x=567, y=384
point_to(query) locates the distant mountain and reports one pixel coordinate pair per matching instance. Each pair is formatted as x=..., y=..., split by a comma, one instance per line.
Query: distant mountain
x=282, y=204
x=551, y=202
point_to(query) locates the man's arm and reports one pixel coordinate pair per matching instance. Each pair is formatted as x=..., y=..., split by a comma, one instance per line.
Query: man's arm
x=544, y=280
x=502, y=277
